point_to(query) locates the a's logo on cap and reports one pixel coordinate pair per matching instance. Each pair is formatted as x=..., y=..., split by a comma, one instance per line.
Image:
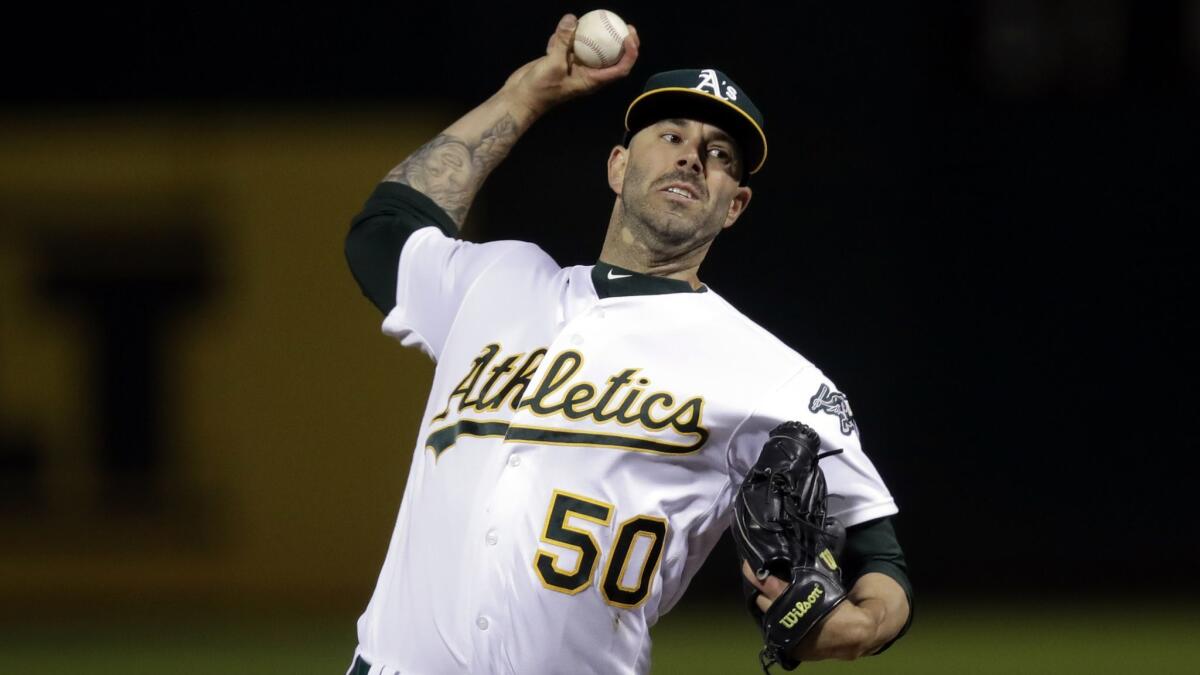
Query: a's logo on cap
x=708, y=81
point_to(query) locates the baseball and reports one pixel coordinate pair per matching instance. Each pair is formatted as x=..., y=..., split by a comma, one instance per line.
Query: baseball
x=599, y=38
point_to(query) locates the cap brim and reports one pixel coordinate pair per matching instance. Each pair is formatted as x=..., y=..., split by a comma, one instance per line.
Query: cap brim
x=685, y=103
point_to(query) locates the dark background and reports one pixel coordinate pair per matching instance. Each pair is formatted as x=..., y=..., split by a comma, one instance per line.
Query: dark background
x=973, y=217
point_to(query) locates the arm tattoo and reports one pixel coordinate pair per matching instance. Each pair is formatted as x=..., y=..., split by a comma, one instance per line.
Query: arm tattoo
x=450, y=171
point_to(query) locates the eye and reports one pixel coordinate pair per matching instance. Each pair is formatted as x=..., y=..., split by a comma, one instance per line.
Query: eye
x=671, y=137
x=720, y=153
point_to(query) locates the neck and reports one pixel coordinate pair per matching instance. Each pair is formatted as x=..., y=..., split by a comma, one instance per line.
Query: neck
x=626, y=246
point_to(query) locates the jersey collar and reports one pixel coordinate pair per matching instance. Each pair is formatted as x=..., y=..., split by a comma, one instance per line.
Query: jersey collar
x=612, y=281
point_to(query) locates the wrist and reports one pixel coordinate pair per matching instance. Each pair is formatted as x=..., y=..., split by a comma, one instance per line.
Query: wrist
x=524, y=108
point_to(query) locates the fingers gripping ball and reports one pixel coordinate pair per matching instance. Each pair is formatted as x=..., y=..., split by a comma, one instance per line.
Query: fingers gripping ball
x=599, y=38
x=781, y=529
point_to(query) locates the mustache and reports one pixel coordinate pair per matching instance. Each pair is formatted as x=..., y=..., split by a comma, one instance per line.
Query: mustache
x=685, y=178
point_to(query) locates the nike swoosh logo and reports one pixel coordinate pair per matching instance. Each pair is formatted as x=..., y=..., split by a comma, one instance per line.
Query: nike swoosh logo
x=617, y=276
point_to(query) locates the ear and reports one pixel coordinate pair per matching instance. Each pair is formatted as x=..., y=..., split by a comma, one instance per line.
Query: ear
x=741, y=199
x=616, y=167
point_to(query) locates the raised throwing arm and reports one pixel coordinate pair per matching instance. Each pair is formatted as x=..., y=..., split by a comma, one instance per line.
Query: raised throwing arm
x=451, y=168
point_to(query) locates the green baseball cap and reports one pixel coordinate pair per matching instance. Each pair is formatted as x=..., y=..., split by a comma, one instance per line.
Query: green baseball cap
x=706, y=95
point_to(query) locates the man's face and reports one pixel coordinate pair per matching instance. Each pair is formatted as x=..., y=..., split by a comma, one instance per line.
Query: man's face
x=679, y=178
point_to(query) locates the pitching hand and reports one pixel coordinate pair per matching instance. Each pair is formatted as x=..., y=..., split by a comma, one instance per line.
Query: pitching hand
x=547, y=81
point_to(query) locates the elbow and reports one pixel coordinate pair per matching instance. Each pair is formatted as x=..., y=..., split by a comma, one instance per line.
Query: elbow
x=373, y=254
x=849, y=634
x=857, y=639
x=352, y=247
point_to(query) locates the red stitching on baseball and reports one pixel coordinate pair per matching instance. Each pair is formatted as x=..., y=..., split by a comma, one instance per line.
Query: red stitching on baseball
x=595, y=48
x=611, y=30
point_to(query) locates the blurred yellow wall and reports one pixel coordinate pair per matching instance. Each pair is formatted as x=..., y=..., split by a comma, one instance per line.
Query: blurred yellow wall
x=291, y=418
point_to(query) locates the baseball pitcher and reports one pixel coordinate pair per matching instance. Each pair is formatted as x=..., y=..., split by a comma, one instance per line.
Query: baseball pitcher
x=591, y=431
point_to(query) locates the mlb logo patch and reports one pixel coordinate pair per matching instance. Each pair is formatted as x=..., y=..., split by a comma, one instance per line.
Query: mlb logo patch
x=836, y=404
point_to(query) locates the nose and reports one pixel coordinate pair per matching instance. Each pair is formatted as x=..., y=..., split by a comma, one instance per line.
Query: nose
x=689, y=159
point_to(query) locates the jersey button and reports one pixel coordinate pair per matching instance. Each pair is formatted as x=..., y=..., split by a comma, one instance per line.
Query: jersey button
x=514, y=461
x=481, y=623
x=491, y=538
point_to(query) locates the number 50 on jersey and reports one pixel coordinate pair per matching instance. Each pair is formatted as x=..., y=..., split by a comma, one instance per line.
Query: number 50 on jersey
x=558, y=531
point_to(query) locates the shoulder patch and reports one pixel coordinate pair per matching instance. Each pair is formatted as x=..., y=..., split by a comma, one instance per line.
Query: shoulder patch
x=834, y=403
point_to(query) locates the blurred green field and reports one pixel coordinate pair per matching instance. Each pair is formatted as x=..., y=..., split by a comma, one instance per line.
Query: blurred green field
x=694, y=641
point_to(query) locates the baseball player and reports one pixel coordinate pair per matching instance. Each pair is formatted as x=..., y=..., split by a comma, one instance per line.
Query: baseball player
x=588, y=427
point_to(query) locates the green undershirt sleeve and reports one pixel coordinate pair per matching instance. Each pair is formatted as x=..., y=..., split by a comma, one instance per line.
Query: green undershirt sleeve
x=377, y=235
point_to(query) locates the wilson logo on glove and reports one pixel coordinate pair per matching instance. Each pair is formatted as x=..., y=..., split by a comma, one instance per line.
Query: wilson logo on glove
x=802, y=607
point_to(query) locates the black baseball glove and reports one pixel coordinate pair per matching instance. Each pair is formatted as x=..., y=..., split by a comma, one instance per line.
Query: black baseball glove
x=781, y=529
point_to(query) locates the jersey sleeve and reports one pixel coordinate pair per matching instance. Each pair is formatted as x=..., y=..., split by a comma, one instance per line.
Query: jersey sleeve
x=435, y=274
x=856, y=491
x=379, y=232
x=404, y=254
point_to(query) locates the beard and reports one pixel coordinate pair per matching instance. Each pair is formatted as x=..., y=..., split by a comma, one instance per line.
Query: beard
x=665, y=224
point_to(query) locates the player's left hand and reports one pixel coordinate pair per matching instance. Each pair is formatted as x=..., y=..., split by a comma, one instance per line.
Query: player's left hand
x=547, y=81
x=843, y=634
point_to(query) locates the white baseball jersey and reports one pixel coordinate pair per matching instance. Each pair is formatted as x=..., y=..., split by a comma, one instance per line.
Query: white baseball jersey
x=577, y=458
